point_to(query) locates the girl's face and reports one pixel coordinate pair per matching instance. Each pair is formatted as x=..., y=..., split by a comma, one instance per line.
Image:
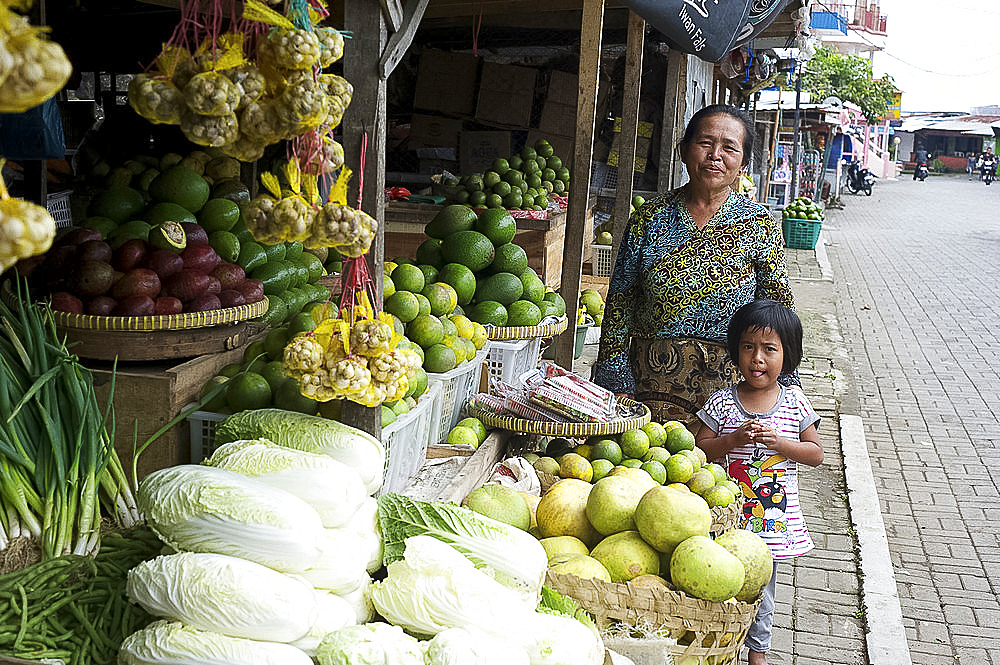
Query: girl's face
x=761, y=357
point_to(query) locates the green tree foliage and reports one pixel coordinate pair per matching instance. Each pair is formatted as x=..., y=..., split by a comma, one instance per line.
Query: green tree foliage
x=850, y=78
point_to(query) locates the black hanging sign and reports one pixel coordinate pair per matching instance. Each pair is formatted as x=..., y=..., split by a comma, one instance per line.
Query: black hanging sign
x=708, y=29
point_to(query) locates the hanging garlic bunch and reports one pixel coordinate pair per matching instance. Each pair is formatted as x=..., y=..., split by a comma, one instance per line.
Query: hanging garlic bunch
x=32, y=69
x=156, y=99
x=348, y=230
x=26, y=229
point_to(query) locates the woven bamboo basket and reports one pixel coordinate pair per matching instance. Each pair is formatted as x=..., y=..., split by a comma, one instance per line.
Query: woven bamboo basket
x=706, y=632
x=501, y=333
x=725, y=518
x=575, y=430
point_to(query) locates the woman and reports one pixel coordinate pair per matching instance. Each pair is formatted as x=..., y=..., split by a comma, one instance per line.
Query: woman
x=689, y=259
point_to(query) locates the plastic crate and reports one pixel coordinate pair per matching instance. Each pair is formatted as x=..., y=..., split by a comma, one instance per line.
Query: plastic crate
x=457, y=386
x=801, y=233
x=510, y=359
x=406, y=440
x=58, y=206
x=202, y=425
x=604, y=260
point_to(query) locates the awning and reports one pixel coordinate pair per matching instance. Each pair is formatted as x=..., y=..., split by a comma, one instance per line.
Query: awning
x=708, y=29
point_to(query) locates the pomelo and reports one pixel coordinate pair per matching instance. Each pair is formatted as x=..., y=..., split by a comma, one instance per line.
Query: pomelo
x=501, y=503
x=563, y=511
x=562, y=546
x=580, y=565
x=678, y=439
x=755, y=555
x=666, y=516
x=612, y=502
x=635, y=474
x=626, y=556
x=702, y=568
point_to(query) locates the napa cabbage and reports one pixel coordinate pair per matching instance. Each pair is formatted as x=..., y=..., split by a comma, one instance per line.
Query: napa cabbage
x=173, y=643
x=331, y=613
x=471, y=646
x=333, y=488
x=341, y=566
x=370, y=644
x=224, y=594
x=203, y=509
x=313, y=434
x=434, y=587
x=512, y=556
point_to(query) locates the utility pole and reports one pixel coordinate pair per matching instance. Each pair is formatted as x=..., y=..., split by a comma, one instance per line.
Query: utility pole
x=796, y=135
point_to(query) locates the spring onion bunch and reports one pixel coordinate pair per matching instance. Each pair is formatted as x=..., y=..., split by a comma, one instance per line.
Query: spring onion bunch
x=57, y=460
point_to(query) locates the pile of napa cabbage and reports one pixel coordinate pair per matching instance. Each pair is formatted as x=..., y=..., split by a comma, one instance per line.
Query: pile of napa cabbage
x=274, y=542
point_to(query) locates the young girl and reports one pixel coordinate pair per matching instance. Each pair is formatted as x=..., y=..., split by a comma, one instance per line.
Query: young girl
x=763, y=430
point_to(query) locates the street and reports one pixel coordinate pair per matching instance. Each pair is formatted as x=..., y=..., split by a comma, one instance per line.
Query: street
x=916, y=284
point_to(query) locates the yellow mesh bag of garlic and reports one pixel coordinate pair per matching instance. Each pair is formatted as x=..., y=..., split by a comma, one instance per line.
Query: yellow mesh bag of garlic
x=26, y=229
x=32, y=69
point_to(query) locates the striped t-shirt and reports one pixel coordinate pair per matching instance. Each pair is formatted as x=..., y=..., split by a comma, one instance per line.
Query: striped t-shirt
x=769, y=481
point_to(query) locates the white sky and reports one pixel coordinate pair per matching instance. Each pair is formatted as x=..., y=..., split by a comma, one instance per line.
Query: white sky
x=943, y=54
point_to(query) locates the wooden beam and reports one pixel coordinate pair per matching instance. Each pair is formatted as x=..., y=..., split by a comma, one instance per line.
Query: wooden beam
x=674, y=104
x=579, y=187
x=400, y=41
x=364, y=128
x=630, y=125
x=392, y=11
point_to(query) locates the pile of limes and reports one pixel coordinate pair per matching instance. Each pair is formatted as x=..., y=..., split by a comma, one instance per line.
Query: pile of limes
x=475, y=255
x=525, y=181
x=667, y=452
x=803, y=207
x=423, y=302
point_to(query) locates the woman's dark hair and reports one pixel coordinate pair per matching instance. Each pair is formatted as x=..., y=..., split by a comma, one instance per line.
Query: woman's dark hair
x=749, y=131
x=767, y=315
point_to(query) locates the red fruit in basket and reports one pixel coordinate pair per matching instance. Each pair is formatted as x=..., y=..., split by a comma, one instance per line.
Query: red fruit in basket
x=52, y=274
x=27, y=266
x=196, y=233
x=134, y=306
x=214, y=286
x=204, y=303
x=138, y=282
x=91, y=278
x=66, y=302
x=166, y=305
x=252, y=290
x=231, y=298
x=229, y=275
x=130, y=255
x=94, y=250
x=77, y=237
x=201, y=258
x=101, y=305
x=164, y=262
x=186, y=285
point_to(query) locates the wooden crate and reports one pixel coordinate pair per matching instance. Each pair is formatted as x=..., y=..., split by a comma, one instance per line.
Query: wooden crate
x=150, y=395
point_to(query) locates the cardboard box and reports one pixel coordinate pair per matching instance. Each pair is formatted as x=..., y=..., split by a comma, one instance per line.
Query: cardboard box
x=558, y=118
x=446, y=82
x=506, y=94
x=478, y=150
x=431, y=131
x=563, y=88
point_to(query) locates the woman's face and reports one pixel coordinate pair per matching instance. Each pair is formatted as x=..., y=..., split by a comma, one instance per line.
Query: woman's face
x=714, y=156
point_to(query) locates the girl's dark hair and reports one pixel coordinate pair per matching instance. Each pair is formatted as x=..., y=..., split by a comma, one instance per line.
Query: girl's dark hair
x=767, y=315
x=749, y=131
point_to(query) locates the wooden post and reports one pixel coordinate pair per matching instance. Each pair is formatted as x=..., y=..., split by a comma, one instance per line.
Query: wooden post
x=579, y=186
x=630, y=125
x=364, y=148
x=674, y=104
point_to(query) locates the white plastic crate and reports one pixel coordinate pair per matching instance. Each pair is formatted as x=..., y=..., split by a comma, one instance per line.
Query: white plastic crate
x=202, y=425
x=406, y=440
x=58, y=206
x=509, y=359
x=457, y=386
x=604, y=260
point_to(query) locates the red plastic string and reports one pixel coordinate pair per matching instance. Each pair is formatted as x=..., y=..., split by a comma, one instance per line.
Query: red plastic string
x=477, y=23
x=361, y=175
x=357, y=280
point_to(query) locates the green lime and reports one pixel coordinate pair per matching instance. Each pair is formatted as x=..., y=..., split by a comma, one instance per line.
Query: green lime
x=274, y=373
x=439, y=358
x=404, y=305
x=477, y=199
x=490, y=178
x=442, y=298
x=290, y=398
x=502, y=188
x=254, y=350
x=301, y=322
x=634, y=443
x=424, y=303
x=248, y=391
x=275, y=342
x=426, y=330
x=216, y=387
x=408, y=277
x=494, y=201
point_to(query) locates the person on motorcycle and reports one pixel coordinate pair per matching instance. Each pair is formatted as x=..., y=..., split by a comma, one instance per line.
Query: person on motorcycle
x=989, y=165
x=921, y=158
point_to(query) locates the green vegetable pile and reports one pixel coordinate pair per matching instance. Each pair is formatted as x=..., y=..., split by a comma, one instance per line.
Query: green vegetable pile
x=74, y=607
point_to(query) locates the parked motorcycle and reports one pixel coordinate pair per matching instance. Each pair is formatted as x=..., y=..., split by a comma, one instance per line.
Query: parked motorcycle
x=921, y=170
x=860, y=179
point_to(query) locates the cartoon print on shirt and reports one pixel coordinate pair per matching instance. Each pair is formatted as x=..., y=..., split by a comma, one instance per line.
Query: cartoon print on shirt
x=765, y=499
